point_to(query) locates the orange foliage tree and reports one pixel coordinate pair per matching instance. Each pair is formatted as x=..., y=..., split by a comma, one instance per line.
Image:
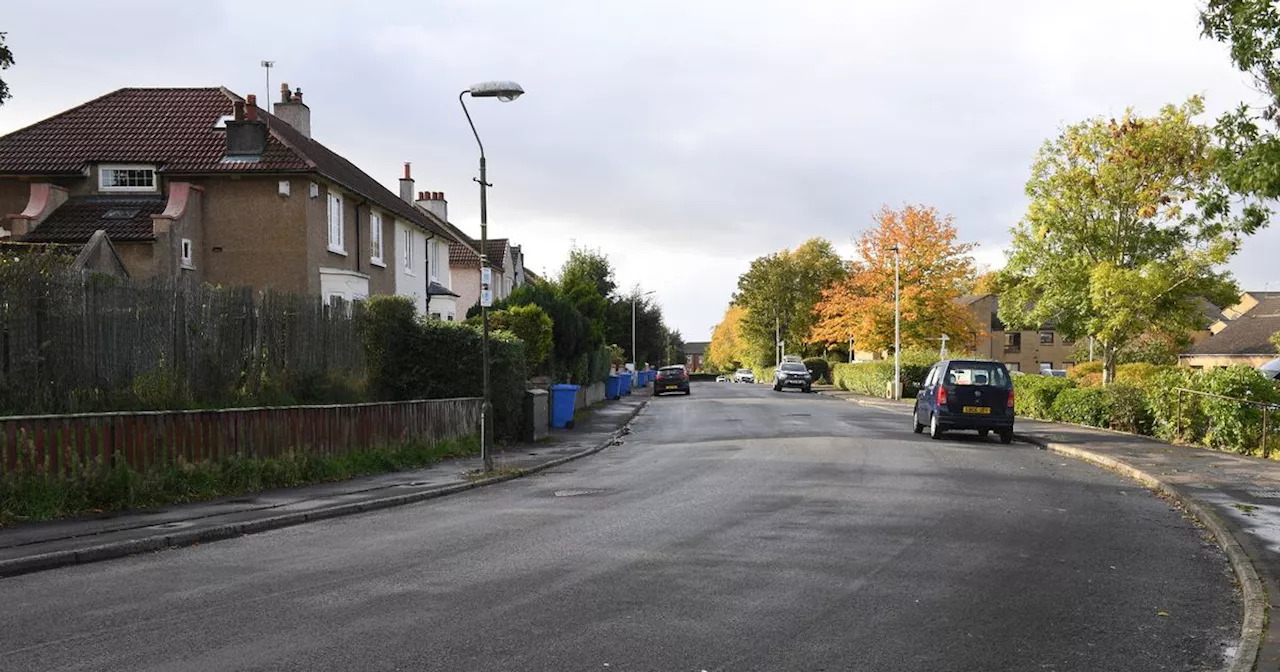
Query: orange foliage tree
x=935, y=270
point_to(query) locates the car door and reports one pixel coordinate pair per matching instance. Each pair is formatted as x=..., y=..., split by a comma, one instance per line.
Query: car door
x=928, y=391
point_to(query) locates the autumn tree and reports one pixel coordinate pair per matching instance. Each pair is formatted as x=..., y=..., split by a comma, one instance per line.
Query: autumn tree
x=727, y=351
x=779, y=292
x=1275, y=341
x=1128, y=222
x=935, y=271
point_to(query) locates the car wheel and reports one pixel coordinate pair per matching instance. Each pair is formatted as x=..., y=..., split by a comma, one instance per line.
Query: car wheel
x=808, y=389
x=1006, y=436
x=915, y=421
x=777, y=388
x=688, y=392
x=935, y=430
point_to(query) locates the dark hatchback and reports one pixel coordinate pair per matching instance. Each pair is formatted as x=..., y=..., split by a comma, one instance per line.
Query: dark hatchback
x=671, y=379
x=966, y=394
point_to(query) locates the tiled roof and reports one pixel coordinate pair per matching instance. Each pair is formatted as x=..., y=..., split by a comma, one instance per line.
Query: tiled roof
x=462, y=256
x=174, y=129
x=496, y=251
x=123, y=218
x=437, y=289
x=696, y=347
x=1245, y=335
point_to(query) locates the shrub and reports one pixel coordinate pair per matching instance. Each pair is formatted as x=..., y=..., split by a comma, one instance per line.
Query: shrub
x=1230, y=424
x=1137, y=372
x=820, y=367
x=1127, y=408
x=531, y=324
x=1083, y=406
x=1084, y=369
x=876, y=378
x=1034, y=395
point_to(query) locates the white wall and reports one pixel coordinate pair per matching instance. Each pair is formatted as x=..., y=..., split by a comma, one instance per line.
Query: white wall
x=412, y=284
x=446, y=307
x=350, y=285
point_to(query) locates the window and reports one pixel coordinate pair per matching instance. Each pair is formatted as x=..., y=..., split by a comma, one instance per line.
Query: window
x=1046, y=367
x=432, y=269
x=1013, y=342
x=450, y=317
x=1013, y=366
x=375, y=238
x=435, y=316
x=408, y=252
x=187, y=254
x=126, y=178
x=991, y=374
x=336, y=242
x=1046, y=338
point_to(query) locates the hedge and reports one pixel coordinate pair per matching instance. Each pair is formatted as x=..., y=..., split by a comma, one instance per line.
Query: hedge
x=876, y=378
x=1081, y=405
x=413, y=358
x=1033, y=395
x=820, y=367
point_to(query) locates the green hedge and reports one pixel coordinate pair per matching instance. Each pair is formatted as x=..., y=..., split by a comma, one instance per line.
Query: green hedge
x=876, y=378
x=413, y=358
x=1034, y=395
x=820, y=367
x=1081, y=405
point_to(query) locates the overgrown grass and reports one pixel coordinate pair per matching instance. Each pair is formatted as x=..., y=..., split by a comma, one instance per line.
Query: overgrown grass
x=32, y=494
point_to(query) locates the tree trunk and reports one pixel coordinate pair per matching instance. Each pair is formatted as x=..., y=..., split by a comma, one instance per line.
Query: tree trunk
x=1108, y=364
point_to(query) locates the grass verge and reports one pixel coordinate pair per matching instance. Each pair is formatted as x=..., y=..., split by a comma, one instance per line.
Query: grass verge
x=34, y=494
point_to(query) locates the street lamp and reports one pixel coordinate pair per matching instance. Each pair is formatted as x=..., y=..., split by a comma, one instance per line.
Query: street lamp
x=897, y=325
x=635, y=355
x=505, y=92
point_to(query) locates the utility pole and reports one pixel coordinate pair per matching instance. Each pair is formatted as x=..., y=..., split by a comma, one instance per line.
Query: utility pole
x=850, y=348
x=943, y=354
x=897, y=326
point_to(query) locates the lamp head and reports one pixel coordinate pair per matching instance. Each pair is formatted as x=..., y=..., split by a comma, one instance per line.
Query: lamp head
x=504, y=91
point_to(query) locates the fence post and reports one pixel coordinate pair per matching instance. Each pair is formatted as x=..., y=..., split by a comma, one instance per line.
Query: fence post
x=1266, y=449
x=1178, y=435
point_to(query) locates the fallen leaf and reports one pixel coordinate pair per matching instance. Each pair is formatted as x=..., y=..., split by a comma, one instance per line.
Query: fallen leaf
x=1162, y=613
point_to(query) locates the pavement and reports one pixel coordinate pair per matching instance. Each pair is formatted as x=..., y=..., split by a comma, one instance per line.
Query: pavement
x=733, y=529
x=1236, y=497
x=40, y=546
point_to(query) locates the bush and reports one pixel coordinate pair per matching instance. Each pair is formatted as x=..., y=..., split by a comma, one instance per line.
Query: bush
x=1084, y=369
x=1231, y=424
x=531, y=324
x=1161, y=393
x=876, y=378
x=411, y=358
x=820, y=367
x=1083, y=406
x=1137, y=373
x=1034, y=395
x=1127, y=408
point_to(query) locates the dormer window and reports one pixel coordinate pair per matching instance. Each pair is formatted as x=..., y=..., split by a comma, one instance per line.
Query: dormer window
x=126, y=178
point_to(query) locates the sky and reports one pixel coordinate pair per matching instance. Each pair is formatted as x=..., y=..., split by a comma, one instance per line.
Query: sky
x=682, y=139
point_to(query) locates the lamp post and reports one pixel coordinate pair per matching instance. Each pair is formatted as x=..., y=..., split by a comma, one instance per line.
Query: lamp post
x=635, y=354
x=505, y=92
x=897, y=325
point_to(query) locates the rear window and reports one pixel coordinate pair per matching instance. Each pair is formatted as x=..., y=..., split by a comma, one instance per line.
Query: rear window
x=744, y=370
x=793, y=367
x=672, y=371
x=978, y=373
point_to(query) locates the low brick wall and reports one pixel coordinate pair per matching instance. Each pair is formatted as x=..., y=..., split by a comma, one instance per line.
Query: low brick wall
x=62, y=443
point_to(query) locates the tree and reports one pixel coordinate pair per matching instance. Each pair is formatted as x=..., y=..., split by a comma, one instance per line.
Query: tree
x=779, y=291
x=1127, y=223
x=674, y=348
x=6, y=61
x=649, y=334
x=1275, y=340
x=587, y=281
x=570, y=330
x=726, y=352
x=531, y=324
x=935, y=271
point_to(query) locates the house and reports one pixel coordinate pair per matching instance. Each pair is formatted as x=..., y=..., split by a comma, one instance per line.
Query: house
x=465, y=265
x=1241, y=337
x=202, y=184
x=431, y=290
x=1031, y=350
x=693, y=354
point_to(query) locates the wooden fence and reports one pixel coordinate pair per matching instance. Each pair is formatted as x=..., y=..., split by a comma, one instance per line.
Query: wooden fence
x=62, y=444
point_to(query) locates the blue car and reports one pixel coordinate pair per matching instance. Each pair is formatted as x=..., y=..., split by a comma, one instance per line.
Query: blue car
x=966, y=394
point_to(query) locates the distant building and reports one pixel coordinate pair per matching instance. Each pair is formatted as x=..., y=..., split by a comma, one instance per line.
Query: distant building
x=1030, y=350
x=693, y=354
x=1242, y=336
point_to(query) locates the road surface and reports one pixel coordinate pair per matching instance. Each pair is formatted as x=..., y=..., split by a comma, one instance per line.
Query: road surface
x=736, y=529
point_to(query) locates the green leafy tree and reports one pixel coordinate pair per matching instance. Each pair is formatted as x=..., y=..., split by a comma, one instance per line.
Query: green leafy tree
x=779, y=291
x=1128, y=222
x=587, y=281
x=6, y=61
x=531, y=324
x=649, y=329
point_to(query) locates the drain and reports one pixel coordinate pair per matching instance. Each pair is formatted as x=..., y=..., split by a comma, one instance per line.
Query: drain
x=577, y=493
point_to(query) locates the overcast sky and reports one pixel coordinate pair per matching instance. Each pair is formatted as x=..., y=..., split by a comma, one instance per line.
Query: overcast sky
x=681, y=138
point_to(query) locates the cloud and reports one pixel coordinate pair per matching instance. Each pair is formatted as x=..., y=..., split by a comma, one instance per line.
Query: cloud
x=683, y=139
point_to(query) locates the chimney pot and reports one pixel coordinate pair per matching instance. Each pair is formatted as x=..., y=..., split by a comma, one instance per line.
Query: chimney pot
x=406, y=170
x=251, y=107
x=238, y=115
x=297, y=95
x=284, y=92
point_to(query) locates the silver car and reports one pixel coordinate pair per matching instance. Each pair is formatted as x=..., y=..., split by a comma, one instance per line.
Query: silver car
x=744, y=376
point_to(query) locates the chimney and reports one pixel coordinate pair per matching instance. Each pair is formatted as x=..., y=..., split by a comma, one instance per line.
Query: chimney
x=246, y=133
x=291, y=110
x=406, y=185
x=433, y=202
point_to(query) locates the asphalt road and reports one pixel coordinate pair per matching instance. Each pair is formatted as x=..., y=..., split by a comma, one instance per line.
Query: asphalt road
x=736, y=529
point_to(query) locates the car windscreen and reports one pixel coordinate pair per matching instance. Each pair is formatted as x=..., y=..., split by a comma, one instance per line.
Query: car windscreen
x=978, y=373
x=673, y=371
x=794, y=367
x=744, y=371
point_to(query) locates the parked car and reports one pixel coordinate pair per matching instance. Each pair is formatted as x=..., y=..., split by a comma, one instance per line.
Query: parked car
x=744, y=376
x=1271, y=369
x=966, y=394
x=721, y=379
x=792, y=374
x=671, y=379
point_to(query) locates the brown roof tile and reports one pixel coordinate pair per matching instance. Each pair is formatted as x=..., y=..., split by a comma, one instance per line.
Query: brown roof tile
x=1245, y=335
x=173, y=128
x=123, y=218
x=462, y=256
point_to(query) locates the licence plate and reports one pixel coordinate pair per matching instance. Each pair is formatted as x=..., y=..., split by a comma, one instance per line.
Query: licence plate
x=673, y=387
x=979, y=410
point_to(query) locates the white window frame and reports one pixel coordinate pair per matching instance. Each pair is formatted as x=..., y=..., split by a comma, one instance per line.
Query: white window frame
x=408, y=252
x=103, y=169
x=187, y=253
x=375, y=240
x=336, y=229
